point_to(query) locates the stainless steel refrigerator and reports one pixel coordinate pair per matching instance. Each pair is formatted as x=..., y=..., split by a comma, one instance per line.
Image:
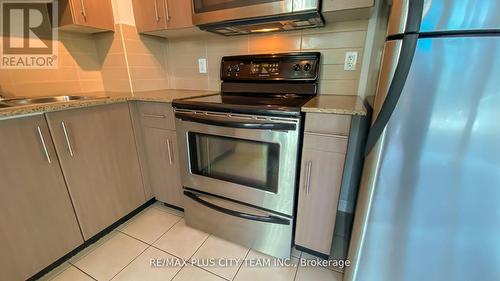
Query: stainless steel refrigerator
x=429, y=201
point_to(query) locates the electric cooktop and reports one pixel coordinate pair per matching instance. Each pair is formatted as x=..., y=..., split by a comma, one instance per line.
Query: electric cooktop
x=273, y=84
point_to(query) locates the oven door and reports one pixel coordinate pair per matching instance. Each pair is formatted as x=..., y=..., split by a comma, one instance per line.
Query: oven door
x=211, y=11
x=245, y=158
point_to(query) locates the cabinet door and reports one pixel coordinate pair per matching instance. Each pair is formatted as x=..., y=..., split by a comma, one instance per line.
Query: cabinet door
x=163, y=165
x=38, y=224
x=94, y=13
x=338, y=5
x=178, y=13
x=149, y=15
x=99, y=160
x=321, y=177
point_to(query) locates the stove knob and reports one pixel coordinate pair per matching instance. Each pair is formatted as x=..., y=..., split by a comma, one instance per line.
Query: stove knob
x=229, y=69
x=236, y=68
x=307, y=66
x=297, y=67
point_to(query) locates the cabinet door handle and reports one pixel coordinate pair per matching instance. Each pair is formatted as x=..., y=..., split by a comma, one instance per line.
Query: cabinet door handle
x=167, y=16
x=45, y=151
x=308, y=177
x=84, y=12
x=156, y=11
x=169, y=148
x=154, y=116
x=66, y=136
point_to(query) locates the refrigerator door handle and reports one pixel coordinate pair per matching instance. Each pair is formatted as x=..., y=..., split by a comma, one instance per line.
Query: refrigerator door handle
x=395, y=89
x=415, y=12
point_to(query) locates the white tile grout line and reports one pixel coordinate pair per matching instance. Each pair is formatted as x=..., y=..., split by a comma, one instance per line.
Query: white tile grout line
x=83, y=272
x=153, y=246
x=237, y=271
x=201, y=245
x=161, y=208
x=149, y=246
x=187, y=260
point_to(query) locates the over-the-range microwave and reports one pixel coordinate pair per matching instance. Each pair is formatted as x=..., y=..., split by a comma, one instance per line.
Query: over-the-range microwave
x=238, y=17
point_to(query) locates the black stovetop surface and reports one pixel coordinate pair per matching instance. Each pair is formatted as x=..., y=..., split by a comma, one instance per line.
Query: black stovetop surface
x=269, y=104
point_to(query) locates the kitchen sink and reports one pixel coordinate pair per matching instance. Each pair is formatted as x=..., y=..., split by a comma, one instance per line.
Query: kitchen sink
x=42, y=100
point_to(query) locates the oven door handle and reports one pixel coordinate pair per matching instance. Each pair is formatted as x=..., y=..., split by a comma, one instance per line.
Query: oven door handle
x=268, y=219
x=220, y=121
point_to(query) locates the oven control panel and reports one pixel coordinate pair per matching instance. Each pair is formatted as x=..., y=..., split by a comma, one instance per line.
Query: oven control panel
x=290, y=66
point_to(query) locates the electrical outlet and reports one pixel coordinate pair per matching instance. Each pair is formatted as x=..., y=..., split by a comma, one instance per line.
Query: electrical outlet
x=350, y=61
x=202, y=65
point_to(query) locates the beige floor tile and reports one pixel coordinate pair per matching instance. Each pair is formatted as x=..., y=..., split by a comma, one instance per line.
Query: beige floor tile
x=142, y=269
x=108, y=259
x=193, y=273
x=255, y=268
x=181, y=240
x=93, y=246
x=149, y=225
x=296, y=253
x=173, y=211
x=222, y=252
x=317, y=273
x=71, y=273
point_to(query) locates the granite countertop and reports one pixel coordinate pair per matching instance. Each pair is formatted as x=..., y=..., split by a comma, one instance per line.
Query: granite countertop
x=166, y=96
x=333, y=104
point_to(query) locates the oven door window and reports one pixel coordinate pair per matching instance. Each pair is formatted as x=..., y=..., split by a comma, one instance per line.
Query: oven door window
x=250, y=163
x=203, y=6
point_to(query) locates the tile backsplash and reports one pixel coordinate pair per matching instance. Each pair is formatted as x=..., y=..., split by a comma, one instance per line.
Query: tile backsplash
x=333, y=41
x=126, y=62
x=79, y=70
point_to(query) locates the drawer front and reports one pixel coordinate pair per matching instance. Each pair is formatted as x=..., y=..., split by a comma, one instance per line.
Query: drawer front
x=328, y=123
x=270, y=238
x=156, y=115
x=323, y=142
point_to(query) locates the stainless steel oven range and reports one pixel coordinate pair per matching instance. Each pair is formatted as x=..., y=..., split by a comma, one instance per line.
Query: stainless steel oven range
x=239, y=150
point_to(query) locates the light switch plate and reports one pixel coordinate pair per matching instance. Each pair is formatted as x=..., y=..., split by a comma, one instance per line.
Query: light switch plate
x=202, y=65
x=351, y=59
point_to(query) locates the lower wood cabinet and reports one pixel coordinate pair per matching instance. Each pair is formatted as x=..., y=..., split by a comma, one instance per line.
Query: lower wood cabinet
x=38, y=224
x=163, y=165
x=99, y=160
x=322, y=168
x=157, y=145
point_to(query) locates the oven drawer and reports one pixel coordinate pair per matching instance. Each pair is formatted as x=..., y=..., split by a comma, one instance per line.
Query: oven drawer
x=156, y=115
x=268, y=233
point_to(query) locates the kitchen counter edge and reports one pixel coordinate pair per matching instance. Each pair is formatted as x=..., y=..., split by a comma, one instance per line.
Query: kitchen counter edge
x=336, y=104
x=166, y=96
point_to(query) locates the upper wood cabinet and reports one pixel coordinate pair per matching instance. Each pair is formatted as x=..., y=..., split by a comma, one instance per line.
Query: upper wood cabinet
x=342, y=10
x=36, y=216
x=158, y=15
x=88, y=16
x=98, y=156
